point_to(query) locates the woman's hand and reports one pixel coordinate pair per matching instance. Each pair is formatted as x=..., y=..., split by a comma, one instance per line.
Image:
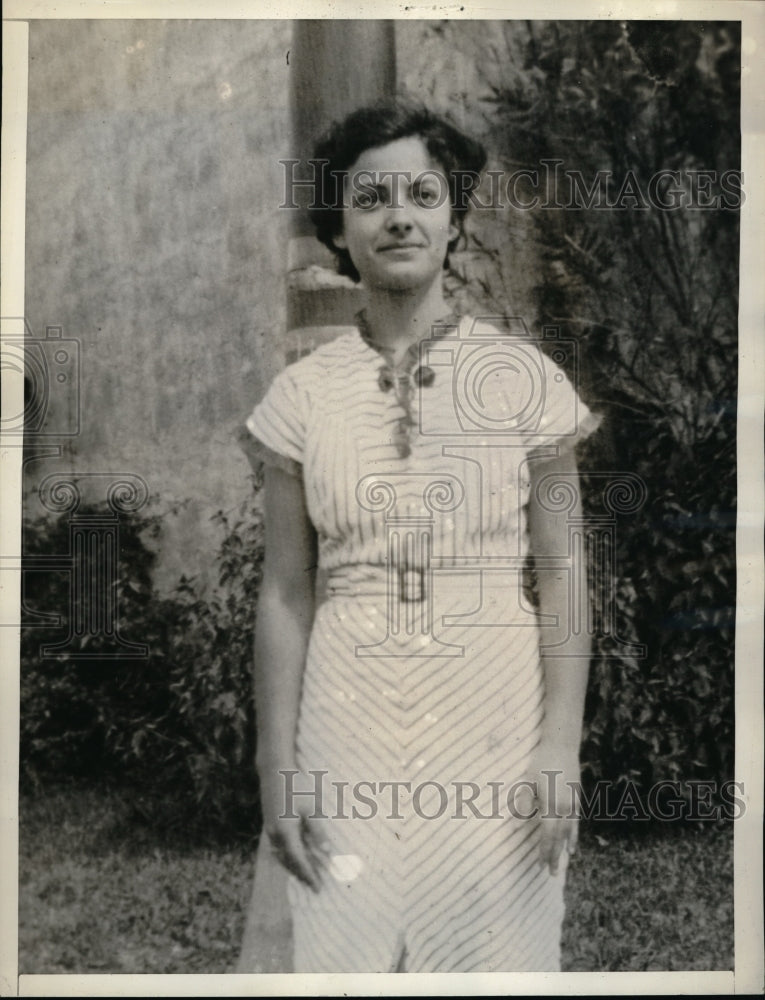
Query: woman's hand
x=292, y=834
x=554, y=776
x=565, y=655
x=285, y=614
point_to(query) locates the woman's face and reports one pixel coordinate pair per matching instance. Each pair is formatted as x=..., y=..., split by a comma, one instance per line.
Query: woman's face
x=397, y=217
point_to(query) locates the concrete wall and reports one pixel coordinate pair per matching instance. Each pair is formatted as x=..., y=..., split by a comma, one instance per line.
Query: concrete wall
x=154, y=240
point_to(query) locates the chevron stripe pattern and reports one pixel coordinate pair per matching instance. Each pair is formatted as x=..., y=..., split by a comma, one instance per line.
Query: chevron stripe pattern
x=420, y=715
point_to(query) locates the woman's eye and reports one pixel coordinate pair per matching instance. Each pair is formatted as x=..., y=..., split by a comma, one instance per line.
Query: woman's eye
x=367, y=198
x=426, y=196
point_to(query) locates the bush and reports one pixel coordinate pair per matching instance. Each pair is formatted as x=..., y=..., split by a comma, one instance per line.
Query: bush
x=177, y=725
x=651, y=298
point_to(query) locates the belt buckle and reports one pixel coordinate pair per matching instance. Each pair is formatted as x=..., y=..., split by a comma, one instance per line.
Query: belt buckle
x=411, y=584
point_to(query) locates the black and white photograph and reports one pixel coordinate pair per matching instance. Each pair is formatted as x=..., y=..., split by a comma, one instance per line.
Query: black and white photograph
x=382, y=448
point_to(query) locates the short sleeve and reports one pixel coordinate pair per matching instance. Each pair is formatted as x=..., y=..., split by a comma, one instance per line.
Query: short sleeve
x=563, y=418
x=278, y=423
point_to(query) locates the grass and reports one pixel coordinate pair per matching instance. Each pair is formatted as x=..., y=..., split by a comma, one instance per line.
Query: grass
x=101, y=893
x=98, y=893
x=658, y=900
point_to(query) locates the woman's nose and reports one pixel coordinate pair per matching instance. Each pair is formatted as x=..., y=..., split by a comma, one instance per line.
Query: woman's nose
x=398, y=220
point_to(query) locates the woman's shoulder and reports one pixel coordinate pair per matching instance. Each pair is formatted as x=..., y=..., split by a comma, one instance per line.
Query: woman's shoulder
x=507, y=328
x=549, y=350
x=326, y=360
x=305, y=382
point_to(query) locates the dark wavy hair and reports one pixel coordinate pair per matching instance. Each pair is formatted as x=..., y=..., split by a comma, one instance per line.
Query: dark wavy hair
x=377, y=125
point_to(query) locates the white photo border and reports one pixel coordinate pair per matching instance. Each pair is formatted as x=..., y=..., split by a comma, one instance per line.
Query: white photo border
x=748, y=906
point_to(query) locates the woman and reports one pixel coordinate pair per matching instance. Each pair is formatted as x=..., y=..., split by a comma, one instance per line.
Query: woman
x=408, y=726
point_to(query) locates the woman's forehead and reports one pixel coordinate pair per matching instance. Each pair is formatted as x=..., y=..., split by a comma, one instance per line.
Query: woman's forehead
x=407, y=154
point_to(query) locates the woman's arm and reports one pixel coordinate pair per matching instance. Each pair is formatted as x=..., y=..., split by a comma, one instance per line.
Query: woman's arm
x=565, y=667
x=284, y=618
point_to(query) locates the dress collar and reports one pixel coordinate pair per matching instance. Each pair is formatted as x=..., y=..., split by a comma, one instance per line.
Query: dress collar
x=400, y=380
x=411, y=358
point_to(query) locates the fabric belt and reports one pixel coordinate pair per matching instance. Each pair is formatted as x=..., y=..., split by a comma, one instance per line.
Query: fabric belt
x=411, y=584
x=407, y=584
x=486, y=595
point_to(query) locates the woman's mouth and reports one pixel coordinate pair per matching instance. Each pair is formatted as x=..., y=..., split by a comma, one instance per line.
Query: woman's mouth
x=392, y=247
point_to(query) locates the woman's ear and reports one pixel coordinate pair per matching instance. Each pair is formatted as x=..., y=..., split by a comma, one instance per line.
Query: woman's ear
x=340, y=241
x=454, y=231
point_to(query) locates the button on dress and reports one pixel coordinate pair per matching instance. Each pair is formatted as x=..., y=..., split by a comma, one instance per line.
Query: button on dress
x=423, y=691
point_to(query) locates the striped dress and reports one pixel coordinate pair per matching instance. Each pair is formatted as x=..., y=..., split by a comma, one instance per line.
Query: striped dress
x=423, y=692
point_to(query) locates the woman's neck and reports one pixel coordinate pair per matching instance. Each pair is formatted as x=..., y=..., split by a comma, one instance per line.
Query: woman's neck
x=396, y=320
